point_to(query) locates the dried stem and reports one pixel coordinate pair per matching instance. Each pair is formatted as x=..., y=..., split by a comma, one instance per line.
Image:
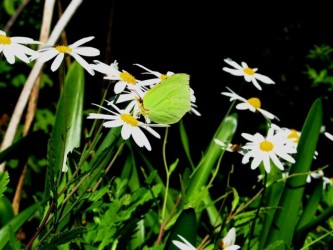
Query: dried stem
x=23, y=99
x=32, y=106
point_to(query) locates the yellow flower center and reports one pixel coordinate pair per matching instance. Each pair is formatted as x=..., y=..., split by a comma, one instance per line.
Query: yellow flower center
x=163, y=77
x=266, y=146
x=255, y=102
x=127, y=77
x=5, y=40
x=293, y=135
x=249, y=71
x=129, y=120
x=63, y=49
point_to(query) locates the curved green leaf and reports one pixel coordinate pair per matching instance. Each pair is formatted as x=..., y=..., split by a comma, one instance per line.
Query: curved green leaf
x=285, y=218
x=6, y=211
x=186, y=226
x=15, y=224
x=225, y=132
x=67, y=129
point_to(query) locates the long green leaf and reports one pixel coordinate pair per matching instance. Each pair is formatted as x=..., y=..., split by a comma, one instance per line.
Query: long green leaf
x=203, y=171
x=185, y=226
x=15, y=224
x=4, y=180
x=290, y=204
x=309, y=213
x=67, y=129
x=272, y=195
x=185, y=142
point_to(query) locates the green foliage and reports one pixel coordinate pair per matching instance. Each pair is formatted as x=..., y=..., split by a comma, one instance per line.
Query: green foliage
x=185, y=226
x=320, y=70
x=4, y=180
x=285, y=219
x=7, y=231
x=10, y=6
x=44, y=120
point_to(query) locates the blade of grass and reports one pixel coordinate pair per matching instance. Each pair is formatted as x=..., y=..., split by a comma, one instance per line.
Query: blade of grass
x=285, y=219
x=205, y=168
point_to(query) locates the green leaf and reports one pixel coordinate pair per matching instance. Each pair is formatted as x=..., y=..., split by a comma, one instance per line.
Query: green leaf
x=186, y=226
x=235, y=201
x=15, y=224
x=173, y=166
x=6, y=211
x=9, y=6
x=62, y=238
x=4, y=180
x=309, y=213
x=67, y=129
x=285, y=218
x=312, y=205
x=205, y=168
x=185, y=142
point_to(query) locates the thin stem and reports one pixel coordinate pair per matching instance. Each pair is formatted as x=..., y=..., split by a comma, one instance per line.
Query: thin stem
x=167, y=173
x=13, y=18
x=257, y=212
x=165, y=223
x=42, y=225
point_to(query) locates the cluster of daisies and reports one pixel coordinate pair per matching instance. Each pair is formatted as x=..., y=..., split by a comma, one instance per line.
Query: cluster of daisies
x=279, y=144
x=127, y=89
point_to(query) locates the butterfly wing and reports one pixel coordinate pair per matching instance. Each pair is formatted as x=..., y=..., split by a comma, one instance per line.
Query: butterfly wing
x=169, y=101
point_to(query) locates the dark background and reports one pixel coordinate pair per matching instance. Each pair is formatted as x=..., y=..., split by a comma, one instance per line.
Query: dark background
x=195, y=37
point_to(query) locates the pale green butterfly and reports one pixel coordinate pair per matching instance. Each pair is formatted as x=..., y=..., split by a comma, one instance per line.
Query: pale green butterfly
x=168, y=101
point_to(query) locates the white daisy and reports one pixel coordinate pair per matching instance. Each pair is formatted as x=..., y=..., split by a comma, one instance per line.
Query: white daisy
x=291, y=135
x=131, y=99
x=319, y=175
x=159, y=76
x=253, y=104
x=131, y=126
x=12, y=47
x=124, y=79
x=327, y=181
x=329, y=136
x=263, y=149
x=193, y=105
x=315, y=175
x=75, y=50
x=228, y=242
x=184, y=244
x=249, y=74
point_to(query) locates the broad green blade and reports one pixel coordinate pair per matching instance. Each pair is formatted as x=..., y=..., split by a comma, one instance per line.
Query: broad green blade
x=186, y=226
x=205, y=168
x=67, y=129
x=15, y=224
x=309, y=213
x=285, y=218
x=6, y=211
